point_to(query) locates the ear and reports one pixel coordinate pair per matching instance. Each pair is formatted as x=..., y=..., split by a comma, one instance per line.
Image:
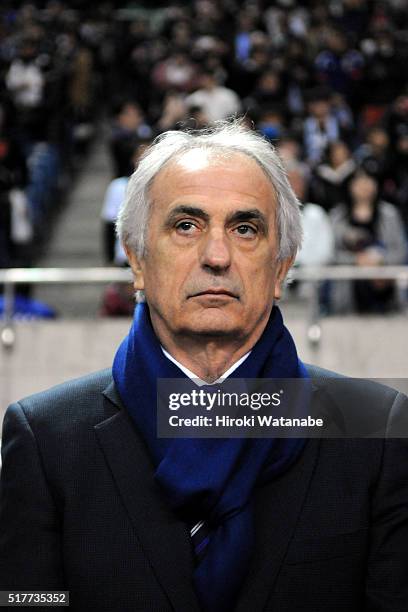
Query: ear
x=137, y=269
x=282, y=269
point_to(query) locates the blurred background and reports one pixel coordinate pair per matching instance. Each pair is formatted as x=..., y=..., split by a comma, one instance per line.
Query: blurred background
x=84, y=90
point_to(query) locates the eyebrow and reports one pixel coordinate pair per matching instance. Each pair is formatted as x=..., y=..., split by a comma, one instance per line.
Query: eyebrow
x=192, y=211
x=252, y=214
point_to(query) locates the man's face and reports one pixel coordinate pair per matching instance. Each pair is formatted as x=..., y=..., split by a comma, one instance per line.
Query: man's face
x=211, y=263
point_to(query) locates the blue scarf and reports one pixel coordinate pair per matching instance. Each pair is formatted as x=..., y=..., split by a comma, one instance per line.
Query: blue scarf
x=210, y=479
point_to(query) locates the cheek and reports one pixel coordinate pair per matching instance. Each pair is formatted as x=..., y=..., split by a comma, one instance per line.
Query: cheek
x=260, y=274
x=165, y=274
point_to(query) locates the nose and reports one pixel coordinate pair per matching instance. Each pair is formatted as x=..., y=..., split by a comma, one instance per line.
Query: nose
x=215, y=251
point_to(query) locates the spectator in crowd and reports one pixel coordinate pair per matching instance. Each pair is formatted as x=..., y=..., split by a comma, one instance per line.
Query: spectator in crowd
x=384, y=73
x=114, y=197
x=118, y=298
x=242, y=41
x=290, y=150
x=331, y=177
x=375, y=156
x=318, y=240
x=396, y=119
x=271, y=122
x=299, y=77
x=181, y=36
x=244, y=76
x=399, y=191
x=344, y=115
x=128, y=126
x=338, y=66
x=216, y=101
x=15, y=223
x=368, y=232
x=26, y=84
x=80, y=88
x=269, y=90
x=176, y=72
x=321, y=126
x=174, y=111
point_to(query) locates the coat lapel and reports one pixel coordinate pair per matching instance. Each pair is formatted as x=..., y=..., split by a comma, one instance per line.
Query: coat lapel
x=164, y=539
x=277, y=508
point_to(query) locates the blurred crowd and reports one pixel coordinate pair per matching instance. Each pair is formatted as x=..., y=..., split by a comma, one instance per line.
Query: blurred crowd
x=325, y=82
x=48, y=83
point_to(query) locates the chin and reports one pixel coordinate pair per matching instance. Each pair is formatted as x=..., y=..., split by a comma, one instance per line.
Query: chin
x=212, y=323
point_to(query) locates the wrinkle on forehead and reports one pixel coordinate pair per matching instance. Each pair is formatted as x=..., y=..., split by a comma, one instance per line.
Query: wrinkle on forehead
x=239, y=177
x=200, y=158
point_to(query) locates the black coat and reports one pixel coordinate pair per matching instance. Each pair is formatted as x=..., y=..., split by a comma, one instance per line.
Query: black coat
x=80, y=511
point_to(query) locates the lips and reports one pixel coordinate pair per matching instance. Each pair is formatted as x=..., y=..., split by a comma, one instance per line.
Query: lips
x=216, y=292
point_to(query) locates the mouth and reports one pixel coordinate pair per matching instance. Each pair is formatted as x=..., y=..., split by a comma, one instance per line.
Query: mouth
x=219, y=292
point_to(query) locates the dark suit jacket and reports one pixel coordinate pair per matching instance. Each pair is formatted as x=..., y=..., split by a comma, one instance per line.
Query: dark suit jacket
x=80, y=511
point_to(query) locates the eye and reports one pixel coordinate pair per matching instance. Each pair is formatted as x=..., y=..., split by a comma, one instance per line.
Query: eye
x=186, y=227
x=247, y=231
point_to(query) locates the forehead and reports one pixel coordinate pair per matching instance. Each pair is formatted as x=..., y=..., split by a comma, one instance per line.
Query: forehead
x=210, y=177
x=363, y=178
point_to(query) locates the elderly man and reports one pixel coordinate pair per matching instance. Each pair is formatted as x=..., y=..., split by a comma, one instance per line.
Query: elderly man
x=94, y=502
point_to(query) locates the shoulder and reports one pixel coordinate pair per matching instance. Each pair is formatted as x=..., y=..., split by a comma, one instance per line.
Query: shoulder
x=73, y=401
x=338, y=213
x=54, y=431
x=328, y=379
x=364, y=407
x=318, y=372
x=76, y=388
x=314, y=213
x=388, y=211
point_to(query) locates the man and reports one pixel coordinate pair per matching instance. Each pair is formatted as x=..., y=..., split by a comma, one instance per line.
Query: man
x=94, y=502
x=216, y=101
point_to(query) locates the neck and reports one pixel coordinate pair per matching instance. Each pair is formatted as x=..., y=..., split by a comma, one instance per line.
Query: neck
x=209, y=358
x=363, y=211
x=363, y=203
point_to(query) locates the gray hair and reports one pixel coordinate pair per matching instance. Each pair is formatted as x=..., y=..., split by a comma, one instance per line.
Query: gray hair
x=226, y=138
